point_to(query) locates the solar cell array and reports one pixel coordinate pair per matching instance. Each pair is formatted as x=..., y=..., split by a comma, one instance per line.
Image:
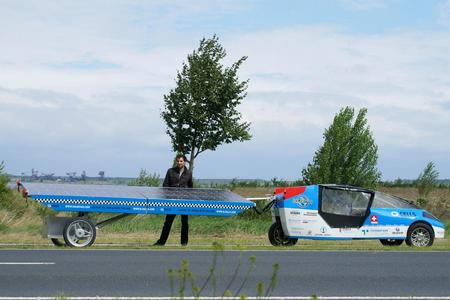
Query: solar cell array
x=131, y=192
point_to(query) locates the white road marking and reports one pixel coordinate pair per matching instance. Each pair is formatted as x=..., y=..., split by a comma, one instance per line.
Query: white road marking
x=27, y=263
x=148, y=247
x=237, y=298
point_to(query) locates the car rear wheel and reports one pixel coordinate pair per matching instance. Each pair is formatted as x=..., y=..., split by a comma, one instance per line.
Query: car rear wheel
x=391, y=242
x=420, y=235
x=277, y=237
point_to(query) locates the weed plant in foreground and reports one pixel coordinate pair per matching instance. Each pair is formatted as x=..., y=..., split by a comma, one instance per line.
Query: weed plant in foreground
x=181, y=279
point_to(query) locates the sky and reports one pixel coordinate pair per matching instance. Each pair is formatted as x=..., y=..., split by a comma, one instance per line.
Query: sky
x=82, y=82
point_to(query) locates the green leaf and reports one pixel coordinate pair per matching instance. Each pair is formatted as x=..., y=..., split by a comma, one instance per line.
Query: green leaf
x=348, y=154
x=201, y=113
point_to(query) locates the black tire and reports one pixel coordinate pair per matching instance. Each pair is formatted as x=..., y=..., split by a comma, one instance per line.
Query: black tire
x=57, y=242
x=277, y=237
x=420, y=235
x=79, y=233
x=390, y=242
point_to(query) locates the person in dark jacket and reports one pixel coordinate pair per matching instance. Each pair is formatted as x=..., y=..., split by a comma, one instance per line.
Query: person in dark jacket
x=178, y=176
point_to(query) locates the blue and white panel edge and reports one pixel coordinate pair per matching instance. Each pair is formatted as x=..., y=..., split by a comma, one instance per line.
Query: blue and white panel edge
x=142, y=206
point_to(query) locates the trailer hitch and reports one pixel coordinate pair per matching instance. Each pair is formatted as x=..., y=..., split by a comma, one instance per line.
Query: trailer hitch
x=273, y=199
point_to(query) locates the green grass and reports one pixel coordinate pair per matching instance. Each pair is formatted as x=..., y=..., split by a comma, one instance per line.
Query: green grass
x=21, y=224
x=198, y=225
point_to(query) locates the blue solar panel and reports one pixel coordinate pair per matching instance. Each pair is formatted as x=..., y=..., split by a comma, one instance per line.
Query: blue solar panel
x=137, y=199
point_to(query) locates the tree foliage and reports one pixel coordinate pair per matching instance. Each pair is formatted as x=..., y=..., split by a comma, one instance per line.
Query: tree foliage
x=146, y=179
x=427, y=180
x=5, y=191
x=201, y=111
x=348, y=154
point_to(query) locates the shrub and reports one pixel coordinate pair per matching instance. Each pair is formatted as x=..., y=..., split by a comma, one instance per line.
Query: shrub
x=440, y=207
x=427, y=180
x=5, y=191
x=146, y=179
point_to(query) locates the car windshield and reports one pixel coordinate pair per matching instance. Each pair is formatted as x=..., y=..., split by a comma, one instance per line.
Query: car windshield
x=383, y=200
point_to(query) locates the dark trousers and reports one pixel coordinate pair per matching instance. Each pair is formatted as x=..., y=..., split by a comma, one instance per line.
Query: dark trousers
x=168, y=224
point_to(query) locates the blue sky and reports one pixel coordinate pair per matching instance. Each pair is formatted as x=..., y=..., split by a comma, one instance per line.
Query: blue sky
x=82, y=83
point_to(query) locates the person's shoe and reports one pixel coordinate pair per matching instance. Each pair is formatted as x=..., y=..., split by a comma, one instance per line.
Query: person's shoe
x=184, y=244
x=158, y=243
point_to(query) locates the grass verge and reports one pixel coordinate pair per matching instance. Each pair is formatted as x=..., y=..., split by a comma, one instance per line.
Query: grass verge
x=20, y=227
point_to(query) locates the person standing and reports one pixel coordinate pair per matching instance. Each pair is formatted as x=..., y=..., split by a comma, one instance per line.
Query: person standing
x=180, y=177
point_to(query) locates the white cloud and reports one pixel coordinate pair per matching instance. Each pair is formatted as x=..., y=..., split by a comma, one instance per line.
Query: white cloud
x=443, y=10
x=401, y=77
x=364, y=4
x=90, y=90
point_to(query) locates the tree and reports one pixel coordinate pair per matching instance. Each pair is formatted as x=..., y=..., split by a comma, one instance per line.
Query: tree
x=348, y=154
x=146, y=179
x=201, y=111
x=426, y=182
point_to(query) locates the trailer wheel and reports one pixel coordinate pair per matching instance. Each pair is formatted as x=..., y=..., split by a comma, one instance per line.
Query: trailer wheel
x=420, y=235
x=390, y=242
x=277, y=237
x=79, y=233
x=57, y=242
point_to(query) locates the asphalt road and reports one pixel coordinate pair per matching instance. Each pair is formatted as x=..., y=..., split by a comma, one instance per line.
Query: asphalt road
x=144, y=272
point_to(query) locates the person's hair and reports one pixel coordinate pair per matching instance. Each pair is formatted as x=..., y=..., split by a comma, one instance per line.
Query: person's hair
x=180, y=156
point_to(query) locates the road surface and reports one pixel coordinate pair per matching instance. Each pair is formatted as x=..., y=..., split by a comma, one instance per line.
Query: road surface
x=141, y=273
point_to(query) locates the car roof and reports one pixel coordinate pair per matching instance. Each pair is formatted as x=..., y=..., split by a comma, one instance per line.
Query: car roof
x=346, y=187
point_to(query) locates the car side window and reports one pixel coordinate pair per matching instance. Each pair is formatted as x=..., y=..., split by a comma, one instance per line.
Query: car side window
x=344, y=202
x=383, y=200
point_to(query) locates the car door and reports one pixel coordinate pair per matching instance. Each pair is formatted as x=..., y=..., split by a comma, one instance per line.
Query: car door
x=344, y=206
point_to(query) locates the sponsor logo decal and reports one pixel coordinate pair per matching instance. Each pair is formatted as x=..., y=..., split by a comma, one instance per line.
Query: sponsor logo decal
x=141, y=208
x=293, y=220
x=77, y=206
x=379, y=230
x=293, y=212
x=344, y=229
x=395, y=214
x=303, y=201
x=323, y=229
x=397, y=231
x=407, y=214
x=364, y=231
x=373, y=219
x=297, y=228
x=310, y=213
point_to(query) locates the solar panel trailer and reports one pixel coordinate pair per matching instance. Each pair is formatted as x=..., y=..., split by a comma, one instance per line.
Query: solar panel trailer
x=80, y=231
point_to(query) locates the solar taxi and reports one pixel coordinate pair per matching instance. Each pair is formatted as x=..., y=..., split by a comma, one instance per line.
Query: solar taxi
x=335, y=212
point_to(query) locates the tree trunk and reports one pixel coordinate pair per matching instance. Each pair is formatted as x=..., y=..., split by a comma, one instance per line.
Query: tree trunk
x=191, y=162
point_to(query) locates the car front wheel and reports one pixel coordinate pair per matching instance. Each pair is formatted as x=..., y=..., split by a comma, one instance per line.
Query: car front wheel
x=420, y=235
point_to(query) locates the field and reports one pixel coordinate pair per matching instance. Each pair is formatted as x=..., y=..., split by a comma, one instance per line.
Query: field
x=20, y=226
